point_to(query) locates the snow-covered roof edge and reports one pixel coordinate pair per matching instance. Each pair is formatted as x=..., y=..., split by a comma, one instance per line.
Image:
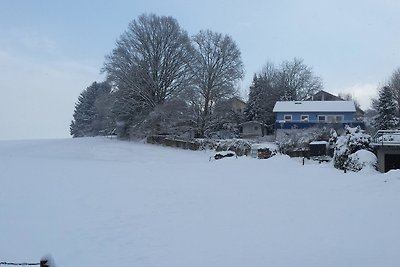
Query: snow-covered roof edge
x=314, y=106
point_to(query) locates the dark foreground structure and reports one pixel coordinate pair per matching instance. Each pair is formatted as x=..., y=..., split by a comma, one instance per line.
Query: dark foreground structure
x=386, y=144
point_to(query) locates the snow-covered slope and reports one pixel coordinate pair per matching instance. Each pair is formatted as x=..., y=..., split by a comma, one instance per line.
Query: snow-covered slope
x=101, y=202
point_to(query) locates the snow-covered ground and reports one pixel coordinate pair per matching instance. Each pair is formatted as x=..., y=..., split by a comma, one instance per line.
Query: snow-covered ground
x=101, y=202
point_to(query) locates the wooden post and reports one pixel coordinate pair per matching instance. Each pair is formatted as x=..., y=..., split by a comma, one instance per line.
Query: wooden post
x=47, y=261
x=44, y=263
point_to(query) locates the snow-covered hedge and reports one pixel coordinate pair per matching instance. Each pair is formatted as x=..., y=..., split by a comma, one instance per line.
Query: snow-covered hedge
x=352, y=141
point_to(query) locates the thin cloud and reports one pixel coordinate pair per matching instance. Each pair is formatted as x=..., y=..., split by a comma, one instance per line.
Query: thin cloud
x=363, y=93
x=29, y=41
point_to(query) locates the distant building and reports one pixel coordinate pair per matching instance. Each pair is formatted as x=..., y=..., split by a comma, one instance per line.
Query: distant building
x=306, y=114
x=325, y=96
x=253, y=129
x=233, y=104
x=386, y=144
x=237, y=105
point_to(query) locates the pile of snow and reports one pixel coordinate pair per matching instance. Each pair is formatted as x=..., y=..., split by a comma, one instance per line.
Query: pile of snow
x=101, y=202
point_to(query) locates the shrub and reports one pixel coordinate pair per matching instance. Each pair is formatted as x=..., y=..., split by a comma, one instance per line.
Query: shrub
x=352, y=140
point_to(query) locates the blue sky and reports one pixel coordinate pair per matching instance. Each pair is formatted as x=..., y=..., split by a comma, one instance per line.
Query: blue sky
x=51, y=50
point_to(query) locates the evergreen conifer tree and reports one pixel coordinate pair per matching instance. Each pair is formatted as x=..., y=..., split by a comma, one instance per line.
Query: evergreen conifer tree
x=262, y=98
x=92, y=111
x=251, y=107
x=387, y=110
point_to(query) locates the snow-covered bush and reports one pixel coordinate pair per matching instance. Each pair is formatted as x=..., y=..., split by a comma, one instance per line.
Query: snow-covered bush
x=361, y=159
x=352, y=140
x=299, y=138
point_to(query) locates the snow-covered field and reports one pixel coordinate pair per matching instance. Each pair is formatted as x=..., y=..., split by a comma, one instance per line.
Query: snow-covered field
x=101, y=202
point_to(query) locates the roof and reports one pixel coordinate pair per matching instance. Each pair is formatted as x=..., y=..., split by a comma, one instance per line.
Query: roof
x=314, y=106
x=323, y=96
x=235, y=98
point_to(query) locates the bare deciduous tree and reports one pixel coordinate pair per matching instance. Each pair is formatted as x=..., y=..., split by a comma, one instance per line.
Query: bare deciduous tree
x=349, y=97
x=151, y=59
x=297, y=80
x=217, y=68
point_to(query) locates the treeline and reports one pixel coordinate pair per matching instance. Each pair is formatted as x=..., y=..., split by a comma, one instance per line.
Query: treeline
x=161, y=81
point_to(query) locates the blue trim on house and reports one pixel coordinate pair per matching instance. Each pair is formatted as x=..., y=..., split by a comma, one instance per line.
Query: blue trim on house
x=305, y=125
x=313, y=116
x=309, y=119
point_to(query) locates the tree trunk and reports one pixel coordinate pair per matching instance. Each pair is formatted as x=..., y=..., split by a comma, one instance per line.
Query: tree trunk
x=204, y=115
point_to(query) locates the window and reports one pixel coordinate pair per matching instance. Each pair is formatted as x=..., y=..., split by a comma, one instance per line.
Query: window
x=321, y=118
x=256, y=128
x=304, y=118
x=287, y=118
x=330, y=118
x=339, y=119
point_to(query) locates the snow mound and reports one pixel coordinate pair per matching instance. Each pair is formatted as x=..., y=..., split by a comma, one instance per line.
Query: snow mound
x=361, y=159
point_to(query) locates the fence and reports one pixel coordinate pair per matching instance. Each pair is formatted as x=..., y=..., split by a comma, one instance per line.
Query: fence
x=46, y=261
x=172, y=142
x=18, y=264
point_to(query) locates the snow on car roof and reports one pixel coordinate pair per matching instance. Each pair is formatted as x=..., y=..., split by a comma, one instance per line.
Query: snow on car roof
x=317, y=106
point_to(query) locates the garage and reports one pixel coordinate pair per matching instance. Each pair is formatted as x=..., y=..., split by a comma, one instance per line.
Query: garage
x=392, y=161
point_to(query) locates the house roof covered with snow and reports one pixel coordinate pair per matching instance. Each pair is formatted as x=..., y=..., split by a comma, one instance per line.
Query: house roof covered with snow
x=314, y=106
